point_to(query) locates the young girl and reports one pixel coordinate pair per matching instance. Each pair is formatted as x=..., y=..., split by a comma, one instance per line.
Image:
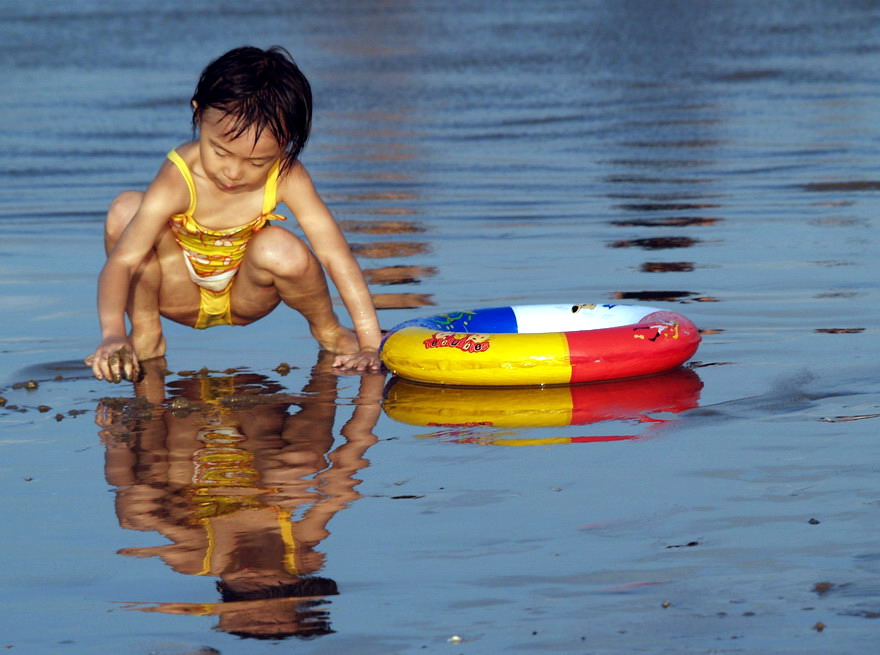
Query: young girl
x=197, y=246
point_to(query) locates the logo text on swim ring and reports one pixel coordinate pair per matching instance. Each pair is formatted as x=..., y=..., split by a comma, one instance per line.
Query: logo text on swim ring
x=469, y=343
x=666, y=330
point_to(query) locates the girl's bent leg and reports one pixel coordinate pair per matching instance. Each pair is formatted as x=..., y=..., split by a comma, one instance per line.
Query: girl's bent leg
x=279, y=266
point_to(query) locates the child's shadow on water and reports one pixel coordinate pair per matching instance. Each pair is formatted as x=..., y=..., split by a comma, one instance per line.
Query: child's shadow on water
x=241, y=488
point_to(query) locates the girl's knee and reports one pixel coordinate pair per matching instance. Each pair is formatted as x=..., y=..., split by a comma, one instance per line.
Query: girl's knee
x=122, y=210
x=281, y=252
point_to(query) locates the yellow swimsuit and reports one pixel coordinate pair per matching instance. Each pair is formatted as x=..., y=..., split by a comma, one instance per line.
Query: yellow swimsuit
x=213, y=256
x=226, y=482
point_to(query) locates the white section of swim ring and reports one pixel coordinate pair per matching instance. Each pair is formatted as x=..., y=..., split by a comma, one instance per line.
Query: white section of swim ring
x=535, y=319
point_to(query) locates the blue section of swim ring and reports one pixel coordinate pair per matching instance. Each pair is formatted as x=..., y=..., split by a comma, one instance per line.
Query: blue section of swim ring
x=491, y=320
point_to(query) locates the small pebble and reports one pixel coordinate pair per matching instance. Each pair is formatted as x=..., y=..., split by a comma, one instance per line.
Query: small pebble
x=31, y=384
x=819, y=627
x=180, y=403
x=455, y=639
x=59, y=417
x=43, y=408
x=665, y=604
x=2, y=401
x=814, y=522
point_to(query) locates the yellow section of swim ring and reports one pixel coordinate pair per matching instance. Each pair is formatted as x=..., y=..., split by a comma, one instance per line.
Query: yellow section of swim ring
x=425, y=355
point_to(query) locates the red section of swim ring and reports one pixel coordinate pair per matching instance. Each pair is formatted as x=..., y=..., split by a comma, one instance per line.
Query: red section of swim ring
x=659, y=342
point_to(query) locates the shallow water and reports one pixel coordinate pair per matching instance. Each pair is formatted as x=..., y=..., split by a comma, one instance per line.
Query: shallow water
x=713, y=158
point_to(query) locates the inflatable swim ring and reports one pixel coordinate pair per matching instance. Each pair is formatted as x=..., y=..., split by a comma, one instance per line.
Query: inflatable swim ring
x=529, y=345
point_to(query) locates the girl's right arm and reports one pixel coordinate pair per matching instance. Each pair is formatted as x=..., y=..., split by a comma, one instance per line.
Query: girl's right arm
x=115, y=357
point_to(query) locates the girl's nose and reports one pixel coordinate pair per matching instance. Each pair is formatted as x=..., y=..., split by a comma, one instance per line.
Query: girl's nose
x=233, y=171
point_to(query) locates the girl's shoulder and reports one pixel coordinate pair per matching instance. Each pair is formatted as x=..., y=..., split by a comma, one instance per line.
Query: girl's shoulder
x=294, y=178
x=189, y=152
x=170, y=187
x=179, y=166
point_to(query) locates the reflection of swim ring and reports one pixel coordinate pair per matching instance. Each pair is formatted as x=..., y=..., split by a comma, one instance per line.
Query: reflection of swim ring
x=539, y=344
x=622, y=400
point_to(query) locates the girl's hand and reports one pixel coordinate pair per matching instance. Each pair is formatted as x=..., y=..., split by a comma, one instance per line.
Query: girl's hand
x=114, y=360
x=366, y=359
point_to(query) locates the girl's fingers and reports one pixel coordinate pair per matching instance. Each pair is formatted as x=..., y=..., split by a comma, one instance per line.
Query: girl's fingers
x=97, y=366
x=365, y=360
x=91, y=362
x=130, y=363
x=136, y=366
x=122, y=363
x=114, y=368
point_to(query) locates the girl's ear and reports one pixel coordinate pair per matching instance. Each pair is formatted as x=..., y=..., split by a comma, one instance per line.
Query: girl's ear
x=195, y=105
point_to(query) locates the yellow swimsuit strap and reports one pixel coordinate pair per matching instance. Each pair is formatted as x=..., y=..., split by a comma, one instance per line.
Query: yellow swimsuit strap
x=187, y=176
x=286, y=528
x=270, y=194
x=285, y=523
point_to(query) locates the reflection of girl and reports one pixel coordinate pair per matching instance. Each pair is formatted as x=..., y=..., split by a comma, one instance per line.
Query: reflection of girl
x=221, y=474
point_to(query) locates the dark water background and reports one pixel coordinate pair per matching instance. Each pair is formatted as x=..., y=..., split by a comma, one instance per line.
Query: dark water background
x=717, y=158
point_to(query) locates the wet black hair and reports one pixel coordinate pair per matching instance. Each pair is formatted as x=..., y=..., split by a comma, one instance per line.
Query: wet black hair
x=305, y=586
x=264, y=89
x=309, y=615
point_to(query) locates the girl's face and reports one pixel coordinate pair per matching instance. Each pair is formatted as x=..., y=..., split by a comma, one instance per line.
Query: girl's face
x=235, y=164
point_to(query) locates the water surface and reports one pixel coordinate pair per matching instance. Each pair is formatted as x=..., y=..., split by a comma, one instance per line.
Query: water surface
x=717, y=159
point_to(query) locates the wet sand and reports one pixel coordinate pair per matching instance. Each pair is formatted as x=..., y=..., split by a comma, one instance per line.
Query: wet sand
x=717, y=162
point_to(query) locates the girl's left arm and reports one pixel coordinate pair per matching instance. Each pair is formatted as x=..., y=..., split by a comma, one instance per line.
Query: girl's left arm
x=325, y=236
